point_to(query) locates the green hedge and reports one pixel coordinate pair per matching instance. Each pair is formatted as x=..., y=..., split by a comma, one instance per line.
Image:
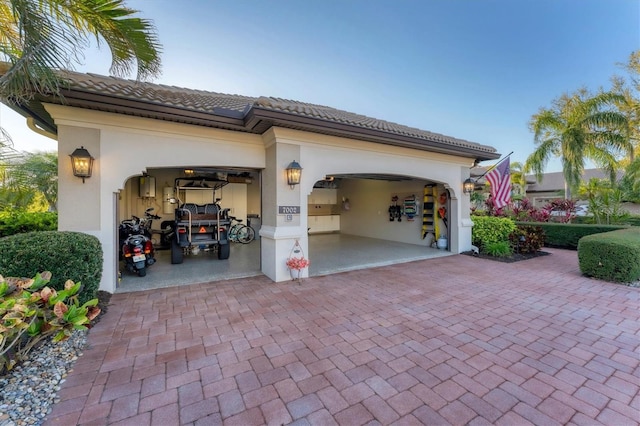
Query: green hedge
x=490, y=230
x=67, y=255
x=567, y=235
x=612, y=256
x=633, y=220
x=18, y=222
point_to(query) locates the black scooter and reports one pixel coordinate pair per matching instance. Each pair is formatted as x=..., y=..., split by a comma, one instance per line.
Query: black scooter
x=136, y=247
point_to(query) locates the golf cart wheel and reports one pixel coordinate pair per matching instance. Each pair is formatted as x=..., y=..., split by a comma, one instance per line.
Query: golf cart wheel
x=224, y=250
x=176, y=253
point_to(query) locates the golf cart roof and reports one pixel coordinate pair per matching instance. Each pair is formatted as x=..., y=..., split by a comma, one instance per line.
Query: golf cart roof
x=199, y=182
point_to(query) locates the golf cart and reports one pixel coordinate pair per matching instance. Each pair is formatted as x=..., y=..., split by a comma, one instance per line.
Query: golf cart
x=200, y=226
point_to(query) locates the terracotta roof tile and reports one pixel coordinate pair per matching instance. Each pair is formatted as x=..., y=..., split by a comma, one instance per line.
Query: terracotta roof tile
x=209, y=102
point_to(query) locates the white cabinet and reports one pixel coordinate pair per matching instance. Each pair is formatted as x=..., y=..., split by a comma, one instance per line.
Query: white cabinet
x=323, y=196
x=334, y=223
x=319, y=224
x=201, y=196
x=234, y=197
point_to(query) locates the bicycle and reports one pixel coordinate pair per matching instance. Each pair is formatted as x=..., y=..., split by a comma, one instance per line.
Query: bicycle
x=239, y=232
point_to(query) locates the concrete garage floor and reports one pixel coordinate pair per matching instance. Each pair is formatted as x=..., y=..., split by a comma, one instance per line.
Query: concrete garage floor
x=329, y=253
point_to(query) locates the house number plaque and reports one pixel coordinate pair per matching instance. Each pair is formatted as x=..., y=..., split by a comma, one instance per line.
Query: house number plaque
x=288, y=210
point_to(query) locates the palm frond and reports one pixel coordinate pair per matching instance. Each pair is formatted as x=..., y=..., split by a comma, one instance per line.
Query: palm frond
x=52, y=33
x=133, y=41
x=537, y=161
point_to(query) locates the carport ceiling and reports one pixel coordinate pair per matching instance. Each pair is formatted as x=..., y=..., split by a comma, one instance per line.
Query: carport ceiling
x=373, y=176
x=204, y=171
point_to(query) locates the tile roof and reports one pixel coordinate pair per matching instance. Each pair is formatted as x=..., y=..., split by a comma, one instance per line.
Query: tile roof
x=160, y=94
x=237, y=106
x=358, y=120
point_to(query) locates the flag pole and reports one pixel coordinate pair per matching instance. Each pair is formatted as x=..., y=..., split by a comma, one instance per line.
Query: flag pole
x=495, y=165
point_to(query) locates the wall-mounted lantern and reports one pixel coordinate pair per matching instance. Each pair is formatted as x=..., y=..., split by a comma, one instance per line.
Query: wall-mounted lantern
x=82, y=163
x=468, y=186
x=294, y=172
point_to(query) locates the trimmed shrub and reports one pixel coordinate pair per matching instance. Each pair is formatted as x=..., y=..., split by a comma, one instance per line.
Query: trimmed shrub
x=490, y=229
x=67, y=255
x=527, y=239
x=567, y=235
x=498, y=249
x=19, y=222
x=612, y=256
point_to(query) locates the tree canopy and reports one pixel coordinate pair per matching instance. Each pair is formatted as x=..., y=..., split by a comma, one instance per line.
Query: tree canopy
x=579, y=127
x=39, y=37
x=29, y=181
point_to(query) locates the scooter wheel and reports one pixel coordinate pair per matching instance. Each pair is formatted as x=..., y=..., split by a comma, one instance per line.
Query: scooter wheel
x=142, y=272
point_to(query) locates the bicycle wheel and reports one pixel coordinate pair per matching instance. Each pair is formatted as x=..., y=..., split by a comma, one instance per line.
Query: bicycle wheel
x=233, y=234
x=246, y=234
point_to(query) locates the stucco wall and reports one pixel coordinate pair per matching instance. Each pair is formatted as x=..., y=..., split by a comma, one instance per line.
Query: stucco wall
x=127, y=146
x=322, y=155
x=369, y=217
x=124, y=147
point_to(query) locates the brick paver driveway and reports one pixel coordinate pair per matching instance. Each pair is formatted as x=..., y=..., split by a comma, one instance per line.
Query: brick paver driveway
x=455, y=340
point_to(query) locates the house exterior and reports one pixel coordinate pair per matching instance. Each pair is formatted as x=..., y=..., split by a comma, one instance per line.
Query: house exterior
x=134, y=129
x=551, y=186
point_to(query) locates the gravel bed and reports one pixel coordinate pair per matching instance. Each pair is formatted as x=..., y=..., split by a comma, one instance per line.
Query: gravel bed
x=29, y=390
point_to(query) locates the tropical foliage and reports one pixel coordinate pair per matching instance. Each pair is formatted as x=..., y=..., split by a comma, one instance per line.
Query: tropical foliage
x=17, y=221
x=630, y=183
x=498, y=249
x=523, y=211
x=39, y=37
x=518, y=178
x=488, y=230
x=31, y=312
x=579, y=127
x=605, y=201
x=29, y=181
x=629, y=89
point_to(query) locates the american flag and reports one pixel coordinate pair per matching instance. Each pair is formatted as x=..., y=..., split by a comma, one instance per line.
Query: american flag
x=500, y=180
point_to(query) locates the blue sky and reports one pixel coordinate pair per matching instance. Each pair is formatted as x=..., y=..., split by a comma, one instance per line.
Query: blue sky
x=475, y=70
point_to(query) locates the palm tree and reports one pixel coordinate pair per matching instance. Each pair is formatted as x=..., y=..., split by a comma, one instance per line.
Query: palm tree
x=630, y=183
x=39, y=37
x=38, y=173
x=10, y=195
x=629, y=89
x=518, y=177
x=605, y=200
x=576, y=128
x=29, y=180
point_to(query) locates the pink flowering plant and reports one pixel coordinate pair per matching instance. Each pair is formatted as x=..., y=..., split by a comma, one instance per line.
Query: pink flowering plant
x=297, y=263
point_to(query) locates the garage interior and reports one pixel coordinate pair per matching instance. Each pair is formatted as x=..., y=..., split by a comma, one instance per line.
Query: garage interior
x=349, y=225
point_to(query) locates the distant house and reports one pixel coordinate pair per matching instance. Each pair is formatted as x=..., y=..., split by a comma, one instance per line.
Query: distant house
x=551, y=187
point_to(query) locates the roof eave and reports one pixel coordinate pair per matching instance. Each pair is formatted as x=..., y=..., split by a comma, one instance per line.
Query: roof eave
x=90, y=100
x=258, y=117
x=256, y=120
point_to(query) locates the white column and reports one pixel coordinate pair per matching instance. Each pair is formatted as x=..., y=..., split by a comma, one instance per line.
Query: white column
x=280, y=230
